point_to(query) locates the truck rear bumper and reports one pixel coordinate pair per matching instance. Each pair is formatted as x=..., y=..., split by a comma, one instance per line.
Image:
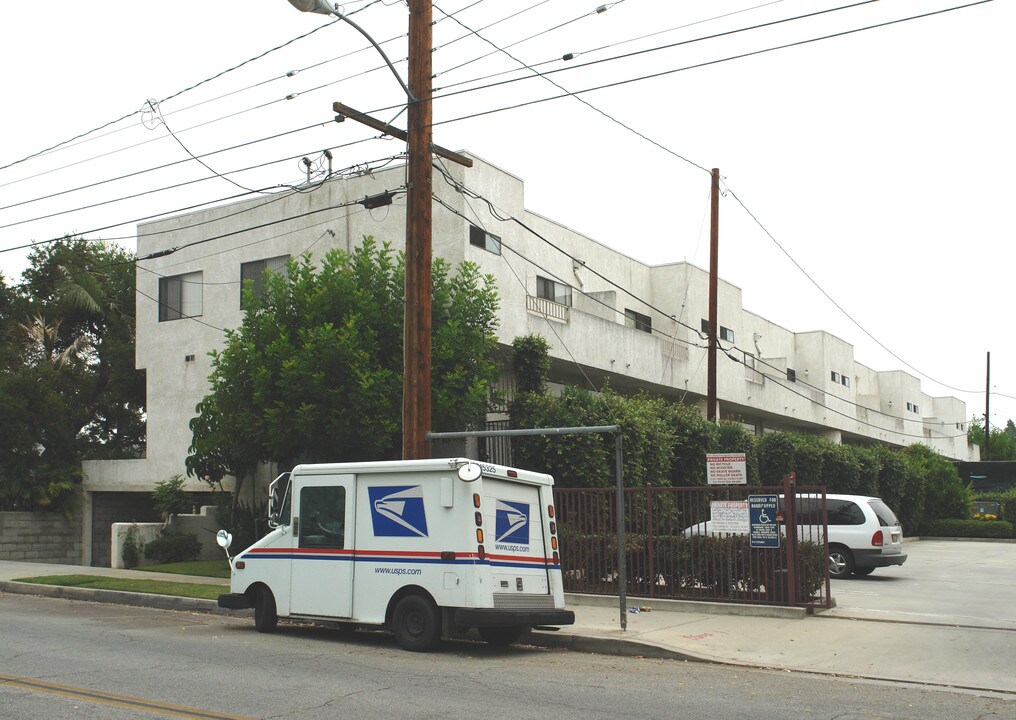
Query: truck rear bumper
x=235, y=601
x=495, y=617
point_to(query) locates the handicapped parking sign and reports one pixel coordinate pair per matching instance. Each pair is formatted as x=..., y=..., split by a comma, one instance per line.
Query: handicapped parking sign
x=763, y=528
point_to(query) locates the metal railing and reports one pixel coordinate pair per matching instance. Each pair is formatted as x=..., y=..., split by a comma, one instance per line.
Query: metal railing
x=692, y=543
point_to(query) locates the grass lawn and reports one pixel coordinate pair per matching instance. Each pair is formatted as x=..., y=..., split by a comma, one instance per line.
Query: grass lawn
x=204, y=568
x=156, y=587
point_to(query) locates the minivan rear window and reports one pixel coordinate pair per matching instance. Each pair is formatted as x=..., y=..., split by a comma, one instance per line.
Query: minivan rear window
x=885, y=516
x=844, y=512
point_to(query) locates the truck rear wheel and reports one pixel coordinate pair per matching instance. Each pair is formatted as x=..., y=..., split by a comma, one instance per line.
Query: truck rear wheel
x=266, y=618
x=416, y=623
x=501, y=636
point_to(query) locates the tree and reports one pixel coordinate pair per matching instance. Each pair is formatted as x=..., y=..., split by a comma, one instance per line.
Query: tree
x=314, y=372
x=945, y=495
x=69, y=388
x=1003, y=442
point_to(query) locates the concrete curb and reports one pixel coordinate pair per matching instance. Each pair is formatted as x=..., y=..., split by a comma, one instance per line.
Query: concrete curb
x=118, y=597
x=692, y=606
x=621, y=647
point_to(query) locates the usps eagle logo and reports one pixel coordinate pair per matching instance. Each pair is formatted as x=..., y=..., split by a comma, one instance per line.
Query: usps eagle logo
x=511, y=522
x=398, y=511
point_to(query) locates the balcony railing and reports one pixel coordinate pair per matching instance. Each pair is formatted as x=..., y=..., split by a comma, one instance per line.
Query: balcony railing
x=547, y=308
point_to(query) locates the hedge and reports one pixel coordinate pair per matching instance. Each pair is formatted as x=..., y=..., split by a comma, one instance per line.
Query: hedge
x=968, y=528
x=173, y=547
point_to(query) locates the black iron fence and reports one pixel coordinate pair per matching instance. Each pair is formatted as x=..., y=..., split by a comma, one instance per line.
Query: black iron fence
x=694, y=544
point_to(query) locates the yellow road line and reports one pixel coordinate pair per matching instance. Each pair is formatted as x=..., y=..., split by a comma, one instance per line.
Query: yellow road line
x=117, y=700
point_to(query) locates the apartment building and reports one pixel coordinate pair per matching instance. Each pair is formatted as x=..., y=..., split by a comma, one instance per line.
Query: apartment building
x=605, y=315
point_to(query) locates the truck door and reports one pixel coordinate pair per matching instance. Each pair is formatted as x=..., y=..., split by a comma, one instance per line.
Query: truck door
x=322, y=576
x=518, y=554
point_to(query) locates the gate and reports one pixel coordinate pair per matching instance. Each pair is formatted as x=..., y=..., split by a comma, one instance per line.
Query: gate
x=692, y=543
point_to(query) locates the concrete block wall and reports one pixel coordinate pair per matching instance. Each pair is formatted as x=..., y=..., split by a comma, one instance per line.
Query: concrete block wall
x=33, y=537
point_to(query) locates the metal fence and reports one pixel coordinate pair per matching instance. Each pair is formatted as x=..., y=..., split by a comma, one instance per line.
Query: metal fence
x=692, y=544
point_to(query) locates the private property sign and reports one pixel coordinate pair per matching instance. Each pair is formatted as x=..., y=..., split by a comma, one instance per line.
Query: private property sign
x=726, y=469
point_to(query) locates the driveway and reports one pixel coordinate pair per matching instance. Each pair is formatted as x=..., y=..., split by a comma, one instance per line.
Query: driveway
x=943, y=582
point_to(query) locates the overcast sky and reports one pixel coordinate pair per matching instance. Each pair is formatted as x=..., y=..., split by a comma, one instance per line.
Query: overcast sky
x=880, y=161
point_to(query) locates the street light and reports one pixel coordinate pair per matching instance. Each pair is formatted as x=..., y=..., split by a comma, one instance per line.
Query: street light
x=323, y=7
x=417, y=328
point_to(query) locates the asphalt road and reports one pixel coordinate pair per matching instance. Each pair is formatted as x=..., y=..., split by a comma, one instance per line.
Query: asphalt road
x=61, y=658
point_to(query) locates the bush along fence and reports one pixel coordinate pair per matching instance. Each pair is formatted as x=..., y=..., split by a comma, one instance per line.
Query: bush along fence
x=693, y=543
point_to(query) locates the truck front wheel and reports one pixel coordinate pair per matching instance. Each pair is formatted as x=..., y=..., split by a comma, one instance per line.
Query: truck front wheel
x=266, y=617
x=416, y=623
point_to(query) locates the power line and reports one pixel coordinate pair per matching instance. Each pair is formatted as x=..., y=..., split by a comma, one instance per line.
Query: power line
x=354, y=168
x=173, y=95
x=567, y=57
x=836, y=304
x=672, y=71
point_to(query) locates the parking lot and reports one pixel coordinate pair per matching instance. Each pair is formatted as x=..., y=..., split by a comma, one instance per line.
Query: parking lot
x=943, y=582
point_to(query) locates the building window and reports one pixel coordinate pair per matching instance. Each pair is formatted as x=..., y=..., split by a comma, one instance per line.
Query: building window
x=916, y=409
x=726, y=334
x=553, y=291
x=845, y=380
x=638, y=321
x=835, y=376
x=478, y=237
x=180, y=296
x=255, y=273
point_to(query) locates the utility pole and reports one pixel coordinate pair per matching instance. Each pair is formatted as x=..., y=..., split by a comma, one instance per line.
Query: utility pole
x=416, y=377
x=987, y=409
x=714, y=251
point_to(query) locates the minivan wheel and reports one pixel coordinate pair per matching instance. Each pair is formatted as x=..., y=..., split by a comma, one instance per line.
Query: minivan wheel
x=841, y=562
x=416, y=623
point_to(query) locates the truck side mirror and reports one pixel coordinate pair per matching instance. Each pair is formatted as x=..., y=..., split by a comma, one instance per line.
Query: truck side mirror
x=224, y=539
x=469, y=472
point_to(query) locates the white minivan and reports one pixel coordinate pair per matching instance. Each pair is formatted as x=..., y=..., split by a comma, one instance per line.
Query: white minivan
x=864, y=534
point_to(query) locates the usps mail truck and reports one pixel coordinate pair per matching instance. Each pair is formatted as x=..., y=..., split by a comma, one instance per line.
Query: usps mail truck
x=424, y=547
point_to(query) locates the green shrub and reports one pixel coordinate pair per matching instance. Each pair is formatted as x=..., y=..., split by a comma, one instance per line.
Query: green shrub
x=169, y=498
x=951, y=527
x=1007, y=504
x=173, y=547
x=131, y=547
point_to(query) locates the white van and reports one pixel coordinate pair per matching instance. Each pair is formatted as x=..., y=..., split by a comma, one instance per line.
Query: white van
x=863, y=532
x=424, y=547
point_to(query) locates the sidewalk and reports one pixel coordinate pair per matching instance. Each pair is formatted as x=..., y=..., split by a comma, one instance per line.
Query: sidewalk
x=839, y=642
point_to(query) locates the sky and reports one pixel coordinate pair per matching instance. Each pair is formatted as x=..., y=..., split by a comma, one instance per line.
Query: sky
x=868, y=176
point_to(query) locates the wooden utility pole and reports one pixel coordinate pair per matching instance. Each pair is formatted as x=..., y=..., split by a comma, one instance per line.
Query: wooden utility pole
x=416, y=378
x=987, y=410
x=714, y=251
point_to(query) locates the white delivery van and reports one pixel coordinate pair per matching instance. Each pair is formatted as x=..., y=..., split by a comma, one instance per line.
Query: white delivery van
x=424, y=547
